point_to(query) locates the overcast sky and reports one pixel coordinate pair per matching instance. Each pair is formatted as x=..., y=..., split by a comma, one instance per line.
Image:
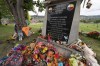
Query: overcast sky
x=94, y=10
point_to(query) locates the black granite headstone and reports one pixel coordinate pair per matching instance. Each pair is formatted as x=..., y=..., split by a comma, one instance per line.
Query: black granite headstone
x=59, y=20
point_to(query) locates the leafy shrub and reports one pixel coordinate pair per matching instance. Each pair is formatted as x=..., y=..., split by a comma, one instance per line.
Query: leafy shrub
x=93, y=34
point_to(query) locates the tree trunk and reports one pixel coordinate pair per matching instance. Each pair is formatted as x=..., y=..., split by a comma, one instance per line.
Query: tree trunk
x=97, y=25
x=0, y=22
x=0, y=18
x=17, y=11
x=16, y=7
x=20, y=12
x=23, y=14
x=13, y=9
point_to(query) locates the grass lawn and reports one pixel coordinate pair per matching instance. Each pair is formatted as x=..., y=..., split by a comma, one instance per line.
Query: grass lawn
x=87, y=27
x=7, y=31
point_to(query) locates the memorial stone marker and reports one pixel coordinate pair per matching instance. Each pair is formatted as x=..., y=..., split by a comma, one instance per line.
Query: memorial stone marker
x=62, y=21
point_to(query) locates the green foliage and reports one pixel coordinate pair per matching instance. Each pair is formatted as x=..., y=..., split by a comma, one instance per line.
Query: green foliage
x=97, y=21
x=4, y=10
x=0, y=15
x=41, y=7
x=90, y=21
x=87, y=21
x=28, y=5
x=84, y=21
x=93, y=34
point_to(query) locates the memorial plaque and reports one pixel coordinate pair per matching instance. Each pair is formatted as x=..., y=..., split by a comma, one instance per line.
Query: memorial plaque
x=59, y=20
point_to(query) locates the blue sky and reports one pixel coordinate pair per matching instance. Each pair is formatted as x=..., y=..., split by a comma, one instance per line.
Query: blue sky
x=94, y=10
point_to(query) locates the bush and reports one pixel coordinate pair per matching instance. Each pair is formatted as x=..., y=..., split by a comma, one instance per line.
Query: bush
x=93, y=34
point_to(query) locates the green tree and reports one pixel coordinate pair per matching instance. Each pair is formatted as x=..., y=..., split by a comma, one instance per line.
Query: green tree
x=4, y=11
x=84, y=21
x=0, y=18
x=20, y=8
x=97, y=22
